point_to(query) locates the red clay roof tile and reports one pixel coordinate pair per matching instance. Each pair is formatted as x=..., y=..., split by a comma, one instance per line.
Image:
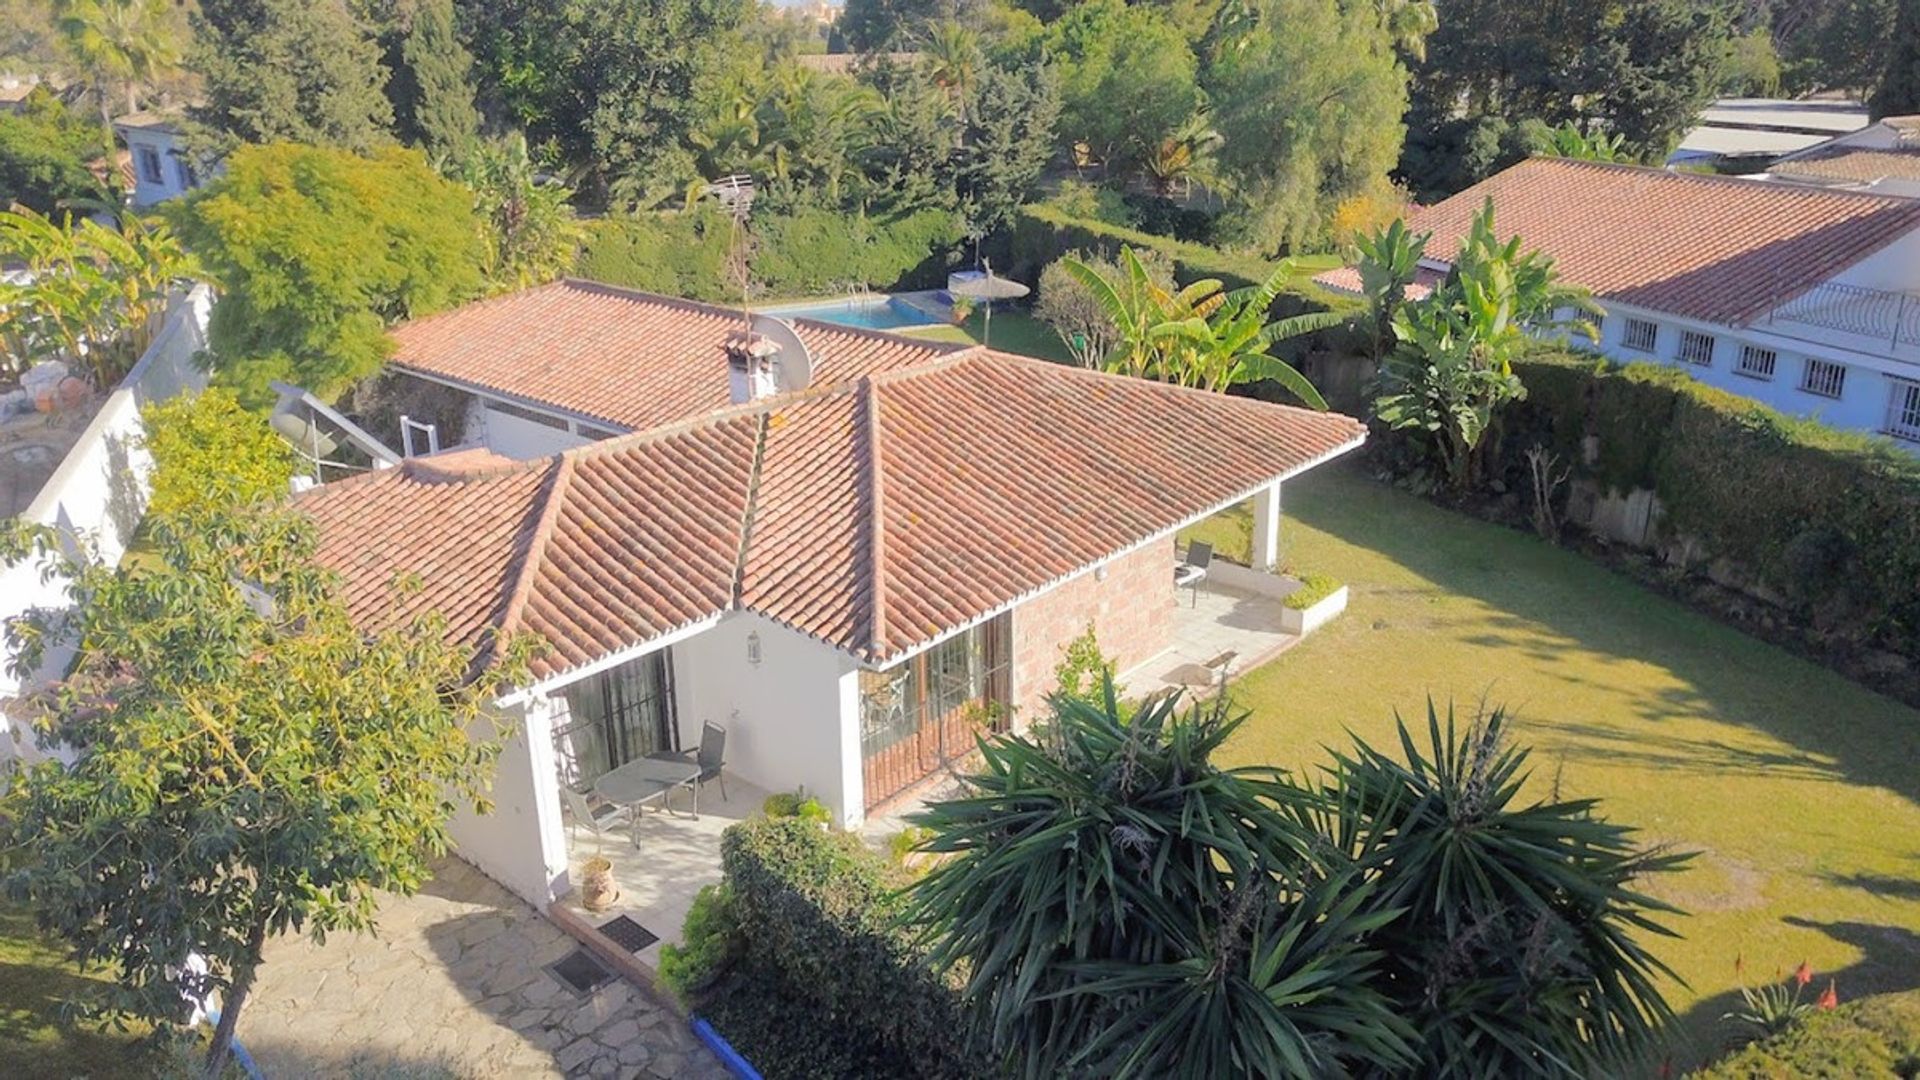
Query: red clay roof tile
x=1713, y=248
x=623, y=357
x=874, y=515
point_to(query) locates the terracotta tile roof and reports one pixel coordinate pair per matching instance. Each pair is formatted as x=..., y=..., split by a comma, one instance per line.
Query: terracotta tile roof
x=631, y=359
x=1857, y=164
x=874, y=515
x=1713, y=248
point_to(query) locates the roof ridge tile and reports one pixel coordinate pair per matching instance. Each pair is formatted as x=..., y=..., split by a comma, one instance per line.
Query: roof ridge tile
x=557, y=487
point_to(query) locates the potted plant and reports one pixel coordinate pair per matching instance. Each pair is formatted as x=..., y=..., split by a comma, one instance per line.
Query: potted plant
x=597, y=891
x=961, y=310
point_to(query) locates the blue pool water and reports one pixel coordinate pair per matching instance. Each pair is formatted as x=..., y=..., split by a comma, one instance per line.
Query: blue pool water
x=871, y=313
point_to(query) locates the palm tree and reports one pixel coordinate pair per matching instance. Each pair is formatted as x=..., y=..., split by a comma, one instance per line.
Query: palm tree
x=1199, y=335
x=1184, y=156
x=954, y=58
x=1568, y=141
x=128, y=42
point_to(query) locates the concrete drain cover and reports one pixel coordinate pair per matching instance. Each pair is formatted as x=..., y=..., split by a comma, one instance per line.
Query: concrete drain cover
x=627, y=934
x=580, y=972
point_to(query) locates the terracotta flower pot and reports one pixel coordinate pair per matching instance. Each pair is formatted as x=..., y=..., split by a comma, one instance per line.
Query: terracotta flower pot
x=597, y=892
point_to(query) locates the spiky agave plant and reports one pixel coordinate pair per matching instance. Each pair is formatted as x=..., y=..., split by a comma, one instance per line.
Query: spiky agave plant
x=1120, y=906
x=1518, y=951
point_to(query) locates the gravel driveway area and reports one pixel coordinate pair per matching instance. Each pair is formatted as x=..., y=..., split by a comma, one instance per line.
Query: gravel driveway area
x=454, y=984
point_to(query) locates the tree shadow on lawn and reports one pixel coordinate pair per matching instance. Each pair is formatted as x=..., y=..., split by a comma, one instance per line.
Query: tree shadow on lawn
x=1540, y=598
x=1889, y=962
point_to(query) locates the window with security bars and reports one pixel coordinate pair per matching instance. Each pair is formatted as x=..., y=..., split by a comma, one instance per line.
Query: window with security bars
x=1757, y=362
x=1823, y=378
x=1640, y=335
x=1696, y=348
x=1903, y=412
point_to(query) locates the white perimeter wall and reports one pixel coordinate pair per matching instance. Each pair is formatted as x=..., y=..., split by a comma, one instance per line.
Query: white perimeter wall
x=519, y=438
x=792, y=721
x=99, y=491
x=522, y=842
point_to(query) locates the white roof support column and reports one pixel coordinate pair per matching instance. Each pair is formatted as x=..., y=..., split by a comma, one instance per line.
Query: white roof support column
x=1266, y=528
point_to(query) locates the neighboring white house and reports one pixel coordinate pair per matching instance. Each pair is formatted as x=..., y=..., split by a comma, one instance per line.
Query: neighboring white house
x=847, y=577
x=1733, y=130
x=1805, y=298
x=1883, y=158
x=161, y=169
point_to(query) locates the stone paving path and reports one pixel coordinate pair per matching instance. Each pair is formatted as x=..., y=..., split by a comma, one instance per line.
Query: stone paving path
x=454, y=985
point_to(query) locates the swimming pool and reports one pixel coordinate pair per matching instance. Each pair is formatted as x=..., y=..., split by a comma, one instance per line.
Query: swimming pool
x=867, y=312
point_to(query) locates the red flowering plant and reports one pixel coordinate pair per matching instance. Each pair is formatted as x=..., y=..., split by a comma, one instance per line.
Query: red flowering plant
x=1777, y=1006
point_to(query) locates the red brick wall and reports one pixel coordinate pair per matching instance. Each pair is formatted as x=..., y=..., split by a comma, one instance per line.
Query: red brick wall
x=1131, y=612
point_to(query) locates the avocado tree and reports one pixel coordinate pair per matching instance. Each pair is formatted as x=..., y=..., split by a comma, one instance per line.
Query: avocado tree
x=244, y=760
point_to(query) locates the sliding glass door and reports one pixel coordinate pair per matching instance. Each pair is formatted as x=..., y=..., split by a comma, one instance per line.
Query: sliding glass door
x=615, y=716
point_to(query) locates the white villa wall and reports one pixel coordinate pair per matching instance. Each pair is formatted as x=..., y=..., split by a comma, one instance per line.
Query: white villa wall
x=519, y=438
x=521, y=843
x=1863, y=403
x=792, y=720
x=99, y=491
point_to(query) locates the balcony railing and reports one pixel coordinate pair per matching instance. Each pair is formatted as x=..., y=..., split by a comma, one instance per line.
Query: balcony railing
x=1881, y=314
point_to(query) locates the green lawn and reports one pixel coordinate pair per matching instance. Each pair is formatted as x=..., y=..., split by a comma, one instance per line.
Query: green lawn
x=35, y=980
x=1013, y=331
x=1800, y=790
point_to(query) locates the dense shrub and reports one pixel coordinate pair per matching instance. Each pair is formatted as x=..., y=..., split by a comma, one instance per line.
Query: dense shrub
x=210, y=453
x=1313, y=589
x=1816, y=515
x=825, y=984
x=805, y=252
x=707, y=943
x=675, y=254
x=1874, y=1038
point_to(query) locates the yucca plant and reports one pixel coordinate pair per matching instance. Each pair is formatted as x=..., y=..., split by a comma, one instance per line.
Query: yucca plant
x=1519, y=951
x=1120, y=906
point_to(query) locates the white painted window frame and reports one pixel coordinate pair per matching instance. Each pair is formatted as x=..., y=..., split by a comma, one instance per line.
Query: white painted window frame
x=1696, y=348
x=1814, y=380
x=1903, y=409
x=1629, y=337
x=1763, y=372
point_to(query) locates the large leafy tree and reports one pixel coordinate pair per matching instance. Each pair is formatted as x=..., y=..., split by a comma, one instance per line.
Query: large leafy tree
x=122, y=45
x=1833, y=44
x=319, y=251
x=1452, y=363
x=1121, y=906
x=1128, y=80
x=612, y=87
x=304, y=71
x=1499, y=72
x=46, y=154
x=245, y=760
x=1308, y=103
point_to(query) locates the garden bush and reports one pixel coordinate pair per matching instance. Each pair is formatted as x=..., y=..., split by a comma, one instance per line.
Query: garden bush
x=707, y=942
x=1313, y=589
x=210, y=453
x=1869, y=1039
x=674, y=254
x=1823, y=518
x=825, y=982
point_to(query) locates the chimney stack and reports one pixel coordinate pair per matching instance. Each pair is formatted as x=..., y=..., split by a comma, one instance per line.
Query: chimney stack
x=750, y=368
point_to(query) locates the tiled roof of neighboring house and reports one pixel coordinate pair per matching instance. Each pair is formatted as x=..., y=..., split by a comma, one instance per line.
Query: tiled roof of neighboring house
x=1855, y=164
x=875, y=515
x=149, y=120
x=1713, y=248
x=617, y=355
x=1347, y=279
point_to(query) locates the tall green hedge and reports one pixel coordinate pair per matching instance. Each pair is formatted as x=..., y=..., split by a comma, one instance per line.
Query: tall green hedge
x=806, y=252
x=814, y=913
x=1039, y=234
x=1820, y=516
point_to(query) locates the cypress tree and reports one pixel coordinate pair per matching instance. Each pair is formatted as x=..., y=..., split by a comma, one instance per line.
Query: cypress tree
x=433, y=98
x=1899, y=91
